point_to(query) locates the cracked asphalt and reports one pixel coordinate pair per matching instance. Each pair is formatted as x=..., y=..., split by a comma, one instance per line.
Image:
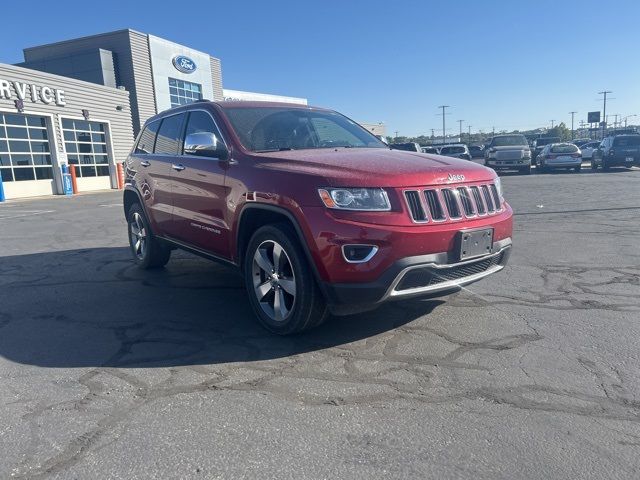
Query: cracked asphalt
x=108, y=372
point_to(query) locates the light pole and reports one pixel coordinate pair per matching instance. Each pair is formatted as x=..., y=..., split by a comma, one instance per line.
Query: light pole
x=573, y=114
x=469, y=134
x=443, y=107
x=604, y=109
x=460, y=122
x=552, y=121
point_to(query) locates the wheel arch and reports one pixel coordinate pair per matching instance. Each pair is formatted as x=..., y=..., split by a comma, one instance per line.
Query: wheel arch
x=254, y=216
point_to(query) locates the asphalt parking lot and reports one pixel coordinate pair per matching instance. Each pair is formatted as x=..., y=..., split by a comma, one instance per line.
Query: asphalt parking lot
x=110, y=372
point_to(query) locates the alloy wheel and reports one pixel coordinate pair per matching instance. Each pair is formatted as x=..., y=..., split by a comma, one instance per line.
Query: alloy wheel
x=274, y=281
x=138, y=235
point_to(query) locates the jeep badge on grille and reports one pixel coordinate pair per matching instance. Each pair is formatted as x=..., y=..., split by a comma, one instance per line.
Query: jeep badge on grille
x=456, y=178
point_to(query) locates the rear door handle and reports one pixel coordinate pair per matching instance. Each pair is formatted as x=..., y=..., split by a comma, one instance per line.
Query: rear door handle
x=145, y=163
x=178, y=167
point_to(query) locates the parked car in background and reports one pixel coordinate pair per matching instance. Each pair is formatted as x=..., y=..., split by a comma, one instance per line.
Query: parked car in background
x=408, y=147
x=540, y=143
x=559, y=155
x=476, y=151
x=430, y=149
x=579, y=142
x=618, y=151
x=457, y=151
x=509, y=152
x=587, y=149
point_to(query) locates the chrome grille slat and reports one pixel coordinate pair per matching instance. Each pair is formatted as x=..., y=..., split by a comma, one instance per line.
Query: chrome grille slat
x=465, y=199
x=434, y=204
x=487, y=198
x=451, y=202
x=477, y=197
x=415, y=206
x=496, y=197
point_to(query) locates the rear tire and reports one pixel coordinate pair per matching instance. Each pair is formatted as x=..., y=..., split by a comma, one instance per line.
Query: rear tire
x=148, y=252
x=282, y=289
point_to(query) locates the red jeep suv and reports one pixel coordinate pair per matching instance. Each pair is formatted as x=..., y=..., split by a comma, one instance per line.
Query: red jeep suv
x=317, y=213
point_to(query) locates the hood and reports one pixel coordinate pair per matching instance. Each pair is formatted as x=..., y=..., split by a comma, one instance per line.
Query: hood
x=374, y=167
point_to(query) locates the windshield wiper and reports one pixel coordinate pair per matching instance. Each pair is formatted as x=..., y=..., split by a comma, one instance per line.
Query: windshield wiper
x=283, y=149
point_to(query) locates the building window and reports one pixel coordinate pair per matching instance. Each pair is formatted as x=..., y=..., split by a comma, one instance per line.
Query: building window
x=182, y=92
x=24, y=148
x=86, y=146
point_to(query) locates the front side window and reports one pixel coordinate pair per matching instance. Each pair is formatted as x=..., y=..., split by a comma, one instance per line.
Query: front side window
x=201, y=122
x=182, y=92
x=168, y=141
x=263, y=129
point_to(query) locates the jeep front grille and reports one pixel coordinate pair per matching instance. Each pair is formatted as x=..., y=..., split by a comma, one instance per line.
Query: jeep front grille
x=452, y=203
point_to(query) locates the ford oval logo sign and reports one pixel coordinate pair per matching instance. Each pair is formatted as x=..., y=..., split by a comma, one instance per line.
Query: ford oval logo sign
x=184, y=64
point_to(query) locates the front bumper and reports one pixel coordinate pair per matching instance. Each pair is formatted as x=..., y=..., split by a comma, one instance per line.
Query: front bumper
x=513, y=163
x=419, y=276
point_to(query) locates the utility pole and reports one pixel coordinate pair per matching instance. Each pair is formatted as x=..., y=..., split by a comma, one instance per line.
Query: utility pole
x=493, y=129
x=615, y=122
x=573, y=114
x=460, y=122
x=395, y=139
x=604, y=110
x=443, y=107
x=552, y=121
x=469, y=134
x=433, y=134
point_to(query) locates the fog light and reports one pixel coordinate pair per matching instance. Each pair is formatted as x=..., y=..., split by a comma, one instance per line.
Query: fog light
x=358, y=253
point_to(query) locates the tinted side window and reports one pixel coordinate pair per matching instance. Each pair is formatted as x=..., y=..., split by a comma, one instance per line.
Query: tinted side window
x=168, y=141
x=148, y=138
x=201, y=122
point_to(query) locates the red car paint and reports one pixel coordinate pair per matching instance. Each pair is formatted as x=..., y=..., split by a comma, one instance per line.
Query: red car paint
x=202, y=206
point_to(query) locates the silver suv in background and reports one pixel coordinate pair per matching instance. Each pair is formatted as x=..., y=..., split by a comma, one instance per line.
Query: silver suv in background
x=458, y=150
x=508, y=152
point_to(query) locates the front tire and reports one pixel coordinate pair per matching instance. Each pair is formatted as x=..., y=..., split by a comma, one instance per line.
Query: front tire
x=578, y=168
x=282, y=290
x=148, y=252
x=526, y=170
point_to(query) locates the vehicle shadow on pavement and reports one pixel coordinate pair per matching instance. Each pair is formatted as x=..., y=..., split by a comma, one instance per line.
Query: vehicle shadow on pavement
x=94, y=308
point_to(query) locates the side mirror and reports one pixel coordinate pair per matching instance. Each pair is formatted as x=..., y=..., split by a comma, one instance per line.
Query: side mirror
x=205, y=144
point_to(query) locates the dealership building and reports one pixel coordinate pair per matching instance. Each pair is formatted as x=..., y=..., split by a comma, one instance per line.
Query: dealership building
x=82, y=102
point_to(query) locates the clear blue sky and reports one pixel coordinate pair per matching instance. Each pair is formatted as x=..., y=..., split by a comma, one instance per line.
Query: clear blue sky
x=508, y=64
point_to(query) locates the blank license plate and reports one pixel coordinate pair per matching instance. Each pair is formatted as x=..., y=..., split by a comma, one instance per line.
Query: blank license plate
x=475, y=243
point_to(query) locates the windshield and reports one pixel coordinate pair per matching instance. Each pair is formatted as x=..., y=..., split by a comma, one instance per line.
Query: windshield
x=627, y=141
x=445, y=150
x=509, y=141
x=564, y=148
x=267, y=129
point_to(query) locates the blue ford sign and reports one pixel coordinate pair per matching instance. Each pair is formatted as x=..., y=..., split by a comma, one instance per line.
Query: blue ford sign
x=184, y=64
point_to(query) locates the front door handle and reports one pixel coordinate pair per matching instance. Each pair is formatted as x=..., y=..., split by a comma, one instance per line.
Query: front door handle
x=145, y=163
x=178, y=167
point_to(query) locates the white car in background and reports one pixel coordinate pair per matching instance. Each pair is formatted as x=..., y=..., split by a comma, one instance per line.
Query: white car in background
x=587, y=150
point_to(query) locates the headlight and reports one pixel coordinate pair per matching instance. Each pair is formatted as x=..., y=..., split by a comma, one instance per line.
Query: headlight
x=498, y=184
x=367, y=199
